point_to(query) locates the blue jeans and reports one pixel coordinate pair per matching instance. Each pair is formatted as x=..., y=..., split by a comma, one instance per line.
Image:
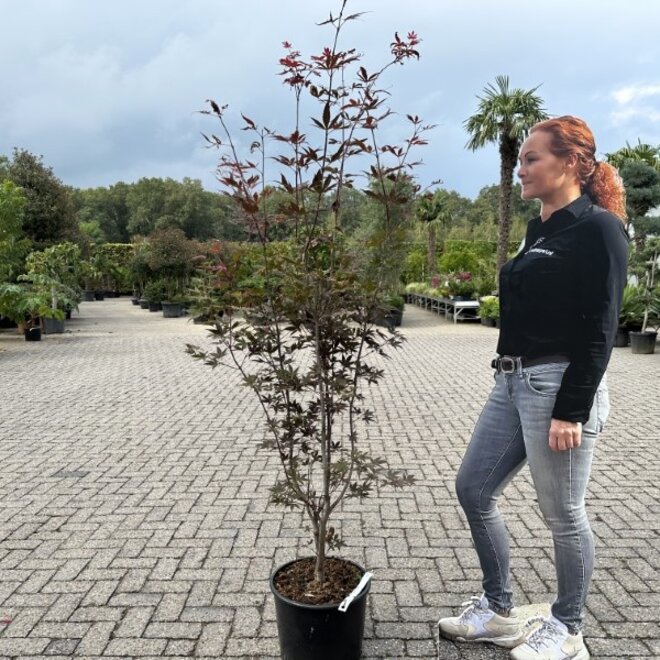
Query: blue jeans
x=512, y=430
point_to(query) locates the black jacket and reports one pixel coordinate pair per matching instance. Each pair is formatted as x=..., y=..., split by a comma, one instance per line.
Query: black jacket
x=561, y=294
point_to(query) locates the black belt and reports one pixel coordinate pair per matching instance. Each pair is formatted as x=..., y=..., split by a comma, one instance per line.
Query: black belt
x=508, y=364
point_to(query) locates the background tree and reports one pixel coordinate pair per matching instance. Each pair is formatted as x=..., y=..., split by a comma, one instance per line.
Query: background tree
x=49, y=215
x=642, y=184
x=639, y=153
x=13, y=244
x=504, y=117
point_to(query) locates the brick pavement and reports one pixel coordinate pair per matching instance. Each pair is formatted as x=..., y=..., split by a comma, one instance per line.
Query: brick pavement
x=134, y=519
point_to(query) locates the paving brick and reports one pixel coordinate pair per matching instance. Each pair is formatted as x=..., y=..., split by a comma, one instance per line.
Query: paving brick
x=165, y=546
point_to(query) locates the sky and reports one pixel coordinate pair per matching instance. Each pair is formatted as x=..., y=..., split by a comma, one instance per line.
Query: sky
x=110, y=91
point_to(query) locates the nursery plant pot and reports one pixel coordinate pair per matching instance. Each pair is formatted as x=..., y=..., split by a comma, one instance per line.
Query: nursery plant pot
x=319, y=632
x=135, y=301
x=53, y=326
x=67, y=314
x=497, y=322
x=88, y=295
x=172, y=310
x=32, y=334
x=622, y=337
x=155, y=307
x=99, y=295
x=144, y=303
x=643, y=343
x=488, y=322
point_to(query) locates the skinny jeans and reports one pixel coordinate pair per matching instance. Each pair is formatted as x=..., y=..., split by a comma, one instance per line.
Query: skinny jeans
x=513, y=430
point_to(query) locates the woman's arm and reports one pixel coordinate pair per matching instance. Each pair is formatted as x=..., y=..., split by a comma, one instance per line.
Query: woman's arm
x=603, y=255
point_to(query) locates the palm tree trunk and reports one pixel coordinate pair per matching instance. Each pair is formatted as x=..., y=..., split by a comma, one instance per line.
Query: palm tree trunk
x=508, y=155
x=432, y=259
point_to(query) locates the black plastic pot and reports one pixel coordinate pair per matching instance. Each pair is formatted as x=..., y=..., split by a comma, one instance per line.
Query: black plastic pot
x=88, y=295
x=643, y=343
x=99, y=295
x=135, y=301
x=144, y=303
x=488, y=322
x=622, y=337
x=32, y=334
x=172, y=310
x=155, y=307
x=319, y=632
x=53, y=326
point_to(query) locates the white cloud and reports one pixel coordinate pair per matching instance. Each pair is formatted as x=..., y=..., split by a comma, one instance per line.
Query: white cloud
x=630, y=93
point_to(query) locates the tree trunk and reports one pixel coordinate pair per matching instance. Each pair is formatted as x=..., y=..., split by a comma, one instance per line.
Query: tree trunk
x=432, y=258
x=508, y=155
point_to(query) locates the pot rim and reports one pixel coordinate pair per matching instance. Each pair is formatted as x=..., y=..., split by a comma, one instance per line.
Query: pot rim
x=309, y=606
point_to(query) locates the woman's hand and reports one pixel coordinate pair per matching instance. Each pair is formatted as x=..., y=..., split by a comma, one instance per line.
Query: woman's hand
x=564, y=435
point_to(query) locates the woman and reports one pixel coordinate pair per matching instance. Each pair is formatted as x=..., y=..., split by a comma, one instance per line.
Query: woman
x=559, y=300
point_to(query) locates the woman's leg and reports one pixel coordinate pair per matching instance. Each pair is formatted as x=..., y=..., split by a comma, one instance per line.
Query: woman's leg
x=495, y=454
x=560, y=479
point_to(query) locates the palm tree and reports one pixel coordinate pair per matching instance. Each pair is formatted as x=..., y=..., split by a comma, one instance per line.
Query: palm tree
x=505, y=117
x=641, y=152
x=427, y=212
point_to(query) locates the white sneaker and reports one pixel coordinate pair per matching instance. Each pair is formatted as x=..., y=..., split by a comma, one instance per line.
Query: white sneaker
x=551, y=641
x=478, y=623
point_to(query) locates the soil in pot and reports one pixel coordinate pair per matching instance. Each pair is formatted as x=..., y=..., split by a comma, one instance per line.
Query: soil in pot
x=643, y=343
x=318, y=631
x=295, y=580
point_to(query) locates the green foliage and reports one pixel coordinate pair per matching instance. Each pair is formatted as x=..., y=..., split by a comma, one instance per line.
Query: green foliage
x=114, y=262
x=153, y=204
x=642, y=183
x=170, y=258
x=53, y=274
x=417, y=287
x=154, y=291
x=632, y=307
x=639, y=153
x=414, y=266
x=489, y=307
x=13, y=244
x=26, y=305
x=49, y=215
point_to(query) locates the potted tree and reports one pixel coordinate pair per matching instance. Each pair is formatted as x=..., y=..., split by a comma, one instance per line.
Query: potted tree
x=461, y=286
x=309, y=358
x=27, y=307
x=630, y=315
x=170, y=258
x=153, y=293
x=489, y=310
x=643, y=342
x=53, y=272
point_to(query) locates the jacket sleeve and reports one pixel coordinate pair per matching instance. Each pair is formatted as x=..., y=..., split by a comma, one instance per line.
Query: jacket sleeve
x=602, y=277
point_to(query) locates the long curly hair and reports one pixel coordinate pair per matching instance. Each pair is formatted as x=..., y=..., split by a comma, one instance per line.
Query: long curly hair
x=599, y=180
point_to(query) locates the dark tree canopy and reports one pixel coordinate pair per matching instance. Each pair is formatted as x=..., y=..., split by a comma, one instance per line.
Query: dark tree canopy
x=49, y=215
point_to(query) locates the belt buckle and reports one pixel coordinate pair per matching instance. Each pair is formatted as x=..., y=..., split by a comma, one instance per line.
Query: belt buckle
x=507, y=365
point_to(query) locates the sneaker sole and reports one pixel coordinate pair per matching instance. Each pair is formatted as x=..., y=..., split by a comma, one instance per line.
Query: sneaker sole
x=504, y=642
x=583, y=654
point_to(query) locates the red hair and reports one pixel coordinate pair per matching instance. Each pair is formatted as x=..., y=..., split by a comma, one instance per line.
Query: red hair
x=571, y=135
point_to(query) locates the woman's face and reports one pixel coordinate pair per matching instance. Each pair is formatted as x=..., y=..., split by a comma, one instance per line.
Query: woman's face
x=541, y=173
